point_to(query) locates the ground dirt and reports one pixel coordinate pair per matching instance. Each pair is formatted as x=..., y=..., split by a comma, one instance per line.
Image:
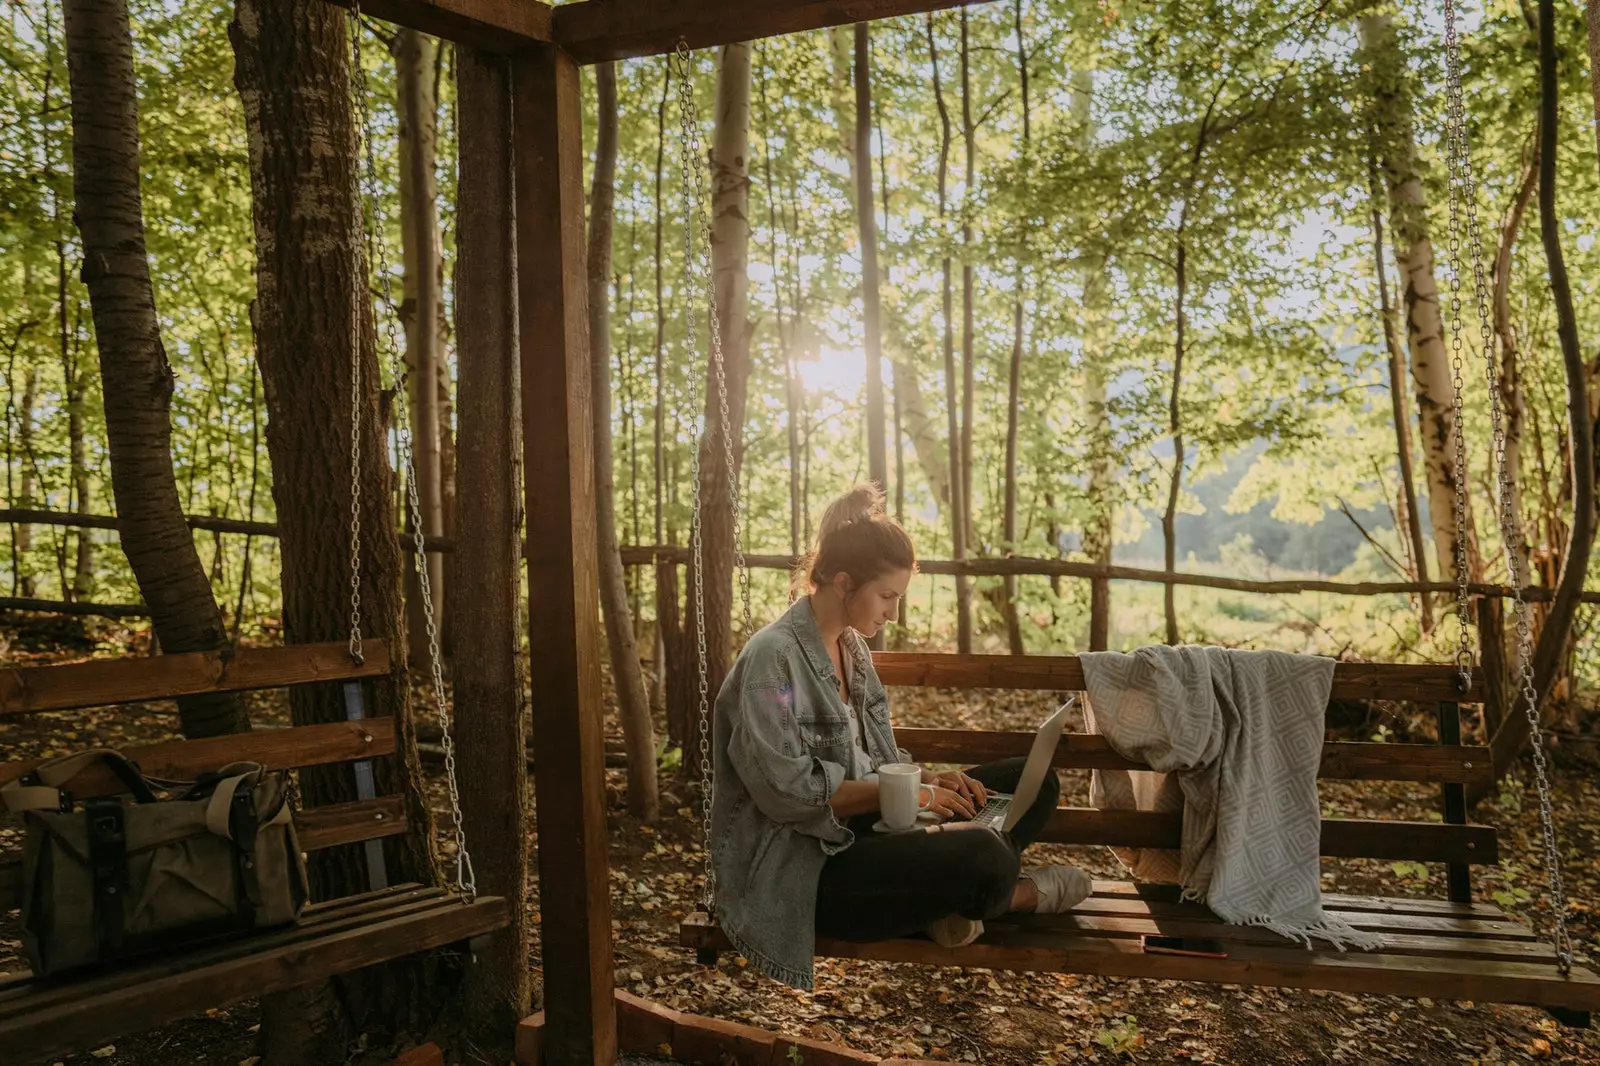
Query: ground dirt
x=981, y=1016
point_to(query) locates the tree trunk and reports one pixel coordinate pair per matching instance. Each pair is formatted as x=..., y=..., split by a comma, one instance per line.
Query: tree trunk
x=133, y=364
x=1430, y=359
x=26, y=483
x=1550, y=655
x=1169, y=518
x=730, y=252
x=293, y=76
x=486, y=619
x=414, y=54
x=1513, y=400
x=74, y=379
x=1100, y=491
x=777, y=222
x=867, y=223
x=633, y=702
x=969, y=138
x=659, y=695
x=1014, y=383
x=958, y=496
x=1412, y=518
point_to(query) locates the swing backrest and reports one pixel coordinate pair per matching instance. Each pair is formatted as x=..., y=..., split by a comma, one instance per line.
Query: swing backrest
x=95, y=683
x=1448, y=764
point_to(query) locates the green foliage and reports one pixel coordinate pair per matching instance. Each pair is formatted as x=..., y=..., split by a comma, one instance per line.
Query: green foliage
x=1233, y=132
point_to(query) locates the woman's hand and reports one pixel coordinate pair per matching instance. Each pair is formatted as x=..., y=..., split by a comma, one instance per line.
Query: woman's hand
x=948, y=803
x=960, y=783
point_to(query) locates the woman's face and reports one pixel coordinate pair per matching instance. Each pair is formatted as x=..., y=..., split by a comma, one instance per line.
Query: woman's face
x=869, y=607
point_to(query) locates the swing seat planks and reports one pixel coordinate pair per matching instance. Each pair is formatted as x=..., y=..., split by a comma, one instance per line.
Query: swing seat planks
x=47, y=1018
x=1442, y=949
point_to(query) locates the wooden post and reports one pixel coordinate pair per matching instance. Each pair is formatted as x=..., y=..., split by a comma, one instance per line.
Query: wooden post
x=491, y=731
x=1099, y=613
x=1455, y=804
x=563, y=584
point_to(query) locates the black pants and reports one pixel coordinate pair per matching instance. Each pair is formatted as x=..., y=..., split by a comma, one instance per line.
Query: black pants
x=889, y=885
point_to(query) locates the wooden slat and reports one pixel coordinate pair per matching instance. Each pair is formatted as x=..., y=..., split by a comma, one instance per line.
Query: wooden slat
x=1347, y=761
x=563, y=580
x=350, y=823
x=1341, y=901
x=277, y=749
x=22, y=993
x=98, y=682
x=317, y=828
x=1064, y=673
x=142, y=1000
x=501, y=26
x=1010, y=947
x=597, y=30
x=1341, y=838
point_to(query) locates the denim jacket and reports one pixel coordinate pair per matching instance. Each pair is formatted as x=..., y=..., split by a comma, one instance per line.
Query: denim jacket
x=782, y=745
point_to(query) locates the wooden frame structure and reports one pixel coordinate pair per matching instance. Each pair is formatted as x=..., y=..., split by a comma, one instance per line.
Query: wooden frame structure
x=542, y=50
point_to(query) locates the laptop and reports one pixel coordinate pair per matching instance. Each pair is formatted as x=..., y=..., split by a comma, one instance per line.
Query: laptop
x=1003, y=810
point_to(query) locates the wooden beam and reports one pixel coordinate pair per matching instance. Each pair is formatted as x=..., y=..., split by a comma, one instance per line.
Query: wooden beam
x=276, y=749
x=1064, y=673
x=1434, y=763
x=97, y=682
x=502, y=26
x=1342, y=838
x=598, y=30
x=563, y=581
x=482, y=608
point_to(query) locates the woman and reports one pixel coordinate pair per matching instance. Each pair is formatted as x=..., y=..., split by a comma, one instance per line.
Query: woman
x=802, y=723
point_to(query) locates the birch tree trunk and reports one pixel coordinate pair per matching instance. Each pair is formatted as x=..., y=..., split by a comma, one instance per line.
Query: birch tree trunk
x=730, y=252
x=421, y=308
x=1412, y=518
x=958, y=495
x=633, y=702
x=1430, y=359
x=133, y=363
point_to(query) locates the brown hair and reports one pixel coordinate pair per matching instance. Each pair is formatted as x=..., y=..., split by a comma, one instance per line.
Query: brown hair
x=857, y=537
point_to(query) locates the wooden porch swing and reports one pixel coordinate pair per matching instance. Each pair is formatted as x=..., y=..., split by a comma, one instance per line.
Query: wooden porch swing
x=42, y=1018
x=1443, y=949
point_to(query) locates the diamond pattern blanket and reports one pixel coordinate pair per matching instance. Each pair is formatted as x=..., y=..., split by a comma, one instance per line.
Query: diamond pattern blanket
x=1234, y=739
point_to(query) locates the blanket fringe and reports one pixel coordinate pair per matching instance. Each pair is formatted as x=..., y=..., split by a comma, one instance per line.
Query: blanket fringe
x=1336, y=931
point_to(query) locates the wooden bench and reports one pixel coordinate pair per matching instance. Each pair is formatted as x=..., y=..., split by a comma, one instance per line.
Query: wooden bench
x=40, y=1018
x=1446, y=949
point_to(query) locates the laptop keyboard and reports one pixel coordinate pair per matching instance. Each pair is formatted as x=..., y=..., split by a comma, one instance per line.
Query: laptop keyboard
x=994, y=811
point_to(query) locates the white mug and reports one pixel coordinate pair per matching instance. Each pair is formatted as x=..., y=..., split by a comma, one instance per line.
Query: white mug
x=901, y=795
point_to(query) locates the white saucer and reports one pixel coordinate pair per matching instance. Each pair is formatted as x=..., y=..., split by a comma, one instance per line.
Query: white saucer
x=924, y=818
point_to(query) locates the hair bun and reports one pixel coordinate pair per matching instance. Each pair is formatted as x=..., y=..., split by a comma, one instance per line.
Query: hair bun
x=862, y=503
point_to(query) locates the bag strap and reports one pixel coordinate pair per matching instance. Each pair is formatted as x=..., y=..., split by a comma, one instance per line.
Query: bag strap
x=227, y=802
x=108, y=869
x=40, y=789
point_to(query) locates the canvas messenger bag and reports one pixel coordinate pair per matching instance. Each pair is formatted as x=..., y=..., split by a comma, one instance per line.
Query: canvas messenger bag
x=108, y=878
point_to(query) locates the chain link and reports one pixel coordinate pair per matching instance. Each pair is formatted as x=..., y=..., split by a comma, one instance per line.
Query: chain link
x=466, y=879
x=697, y=264
x=1463, y=190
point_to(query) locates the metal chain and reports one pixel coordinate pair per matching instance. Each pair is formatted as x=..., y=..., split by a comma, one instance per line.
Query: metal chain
x=1463, y=187
x=466, y=879
x=697, y=257
x=358, y=295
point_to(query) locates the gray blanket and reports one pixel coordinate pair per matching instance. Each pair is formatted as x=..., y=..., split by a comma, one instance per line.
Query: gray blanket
x=1235, y=741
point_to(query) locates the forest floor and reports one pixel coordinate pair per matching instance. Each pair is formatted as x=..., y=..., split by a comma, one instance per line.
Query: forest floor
x=976, y=1015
